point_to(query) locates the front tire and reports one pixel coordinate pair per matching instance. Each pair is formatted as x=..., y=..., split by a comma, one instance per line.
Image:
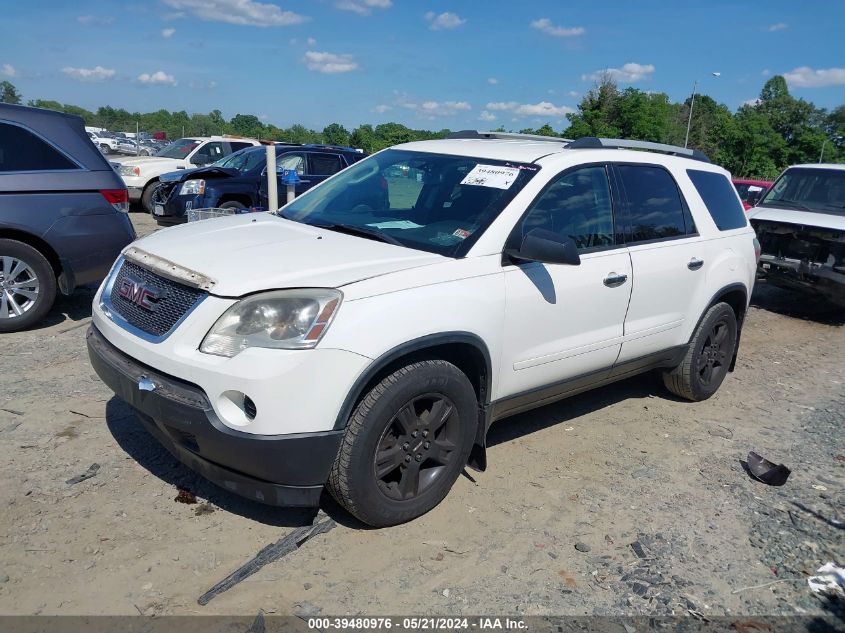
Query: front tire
x=708, y=358
x=27, y=286
x=406, y=443
x=147, y=196
x=232, y=204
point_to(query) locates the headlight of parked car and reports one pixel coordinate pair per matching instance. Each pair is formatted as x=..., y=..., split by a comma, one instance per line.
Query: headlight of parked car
x=129, y=170
x=282, y=319
x=192, y=188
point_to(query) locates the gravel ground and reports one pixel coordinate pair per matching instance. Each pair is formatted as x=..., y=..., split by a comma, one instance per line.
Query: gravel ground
x=621, y=501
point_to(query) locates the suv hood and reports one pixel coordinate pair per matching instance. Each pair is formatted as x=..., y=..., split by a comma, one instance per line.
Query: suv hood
x=797, y=216
x=252, y=252
x=200, y=172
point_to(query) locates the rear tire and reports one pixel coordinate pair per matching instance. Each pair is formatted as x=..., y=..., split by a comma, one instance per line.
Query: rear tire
x=232, y=204
x=27, y=286
x=406, y=442
x=105, y=149
x=710, y=353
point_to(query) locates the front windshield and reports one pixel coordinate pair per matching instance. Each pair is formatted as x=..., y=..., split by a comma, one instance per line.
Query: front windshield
x=432, y=202
x=809, y=189
x=242, y=161
x=178, y=149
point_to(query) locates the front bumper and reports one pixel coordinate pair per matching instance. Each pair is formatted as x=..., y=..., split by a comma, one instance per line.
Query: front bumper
x=279, y=470
x=803, y=275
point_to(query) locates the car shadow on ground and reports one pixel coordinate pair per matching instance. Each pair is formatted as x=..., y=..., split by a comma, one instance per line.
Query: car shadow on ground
x=796, y=304
x=643, y=386
x=69, y=309
x=146, y=450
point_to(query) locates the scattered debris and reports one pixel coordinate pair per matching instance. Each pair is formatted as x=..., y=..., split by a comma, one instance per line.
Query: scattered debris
x=721, y=431
x=269, y=554
x=204, y=508
x=307, y=610
x=819, y=487
x=829, y=581
x=446, y=593
x=767, y=472
x=258, y=623
x=639, y=550
x=91, y=472
x=12, y=411
x=567, y=578
x=185, y=496
x=582, y=547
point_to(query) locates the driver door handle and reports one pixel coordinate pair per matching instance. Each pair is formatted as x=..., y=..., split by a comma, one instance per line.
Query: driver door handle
x=614, y=280
x=695, y=263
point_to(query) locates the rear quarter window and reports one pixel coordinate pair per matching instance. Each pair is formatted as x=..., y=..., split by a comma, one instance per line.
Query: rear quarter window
x=21, y=150
x=720, y=198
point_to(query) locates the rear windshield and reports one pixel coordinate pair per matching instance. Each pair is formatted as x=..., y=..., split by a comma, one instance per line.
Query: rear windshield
x=432, y=202
x=809, y=189
x=720, y=198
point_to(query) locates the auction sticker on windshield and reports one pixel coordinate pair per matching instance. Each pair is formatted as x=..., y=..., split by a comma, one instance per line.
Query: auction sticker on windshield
x=491, y=176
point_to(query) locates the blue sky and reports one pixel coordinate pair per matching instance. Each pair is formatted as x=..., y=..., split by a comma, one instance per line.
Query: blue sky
x=456, y=64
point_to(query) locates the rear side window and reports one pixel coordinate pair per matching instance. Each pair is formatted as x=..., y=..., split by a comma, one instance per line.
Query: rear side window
x=234, y=147
x=720, y=199
x=21, y=150
x=325, y=164
x=655, y=208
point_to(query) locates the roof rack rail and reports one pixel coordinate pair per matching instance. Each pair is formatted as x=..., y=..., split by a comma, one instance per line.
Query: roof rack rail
x=508, y=136
x=593, y=142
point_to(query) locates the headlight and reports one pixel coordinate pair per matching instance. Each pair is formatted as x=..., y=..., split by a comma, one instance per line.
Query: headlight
x=129, y=170
x=282, y=319
x=192, y=188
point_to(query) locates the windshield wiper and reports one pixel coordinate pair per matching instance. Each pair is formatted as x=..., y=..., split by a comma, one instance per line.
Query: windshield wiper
x=361, y=231
x=792, y=203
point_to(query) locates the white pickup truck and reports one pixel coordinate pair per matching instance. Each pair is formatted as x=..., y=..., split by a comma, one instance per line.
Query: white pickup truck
x=141, y=173
x=106, y=144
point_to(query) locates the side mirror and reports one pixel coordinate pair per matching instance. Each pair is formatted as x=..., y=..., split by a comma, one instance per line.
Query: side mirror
x=200, y=159
x=540, y=245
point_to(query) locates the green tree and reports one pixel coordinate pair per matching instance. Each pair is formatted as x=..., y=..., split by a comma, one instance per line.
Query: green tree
x=336, y=134
x=8, y=93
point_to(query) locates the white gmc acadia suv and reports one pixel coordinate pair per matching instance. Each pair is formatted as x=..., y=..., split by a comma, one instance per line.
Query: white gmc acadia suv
x=366, y=335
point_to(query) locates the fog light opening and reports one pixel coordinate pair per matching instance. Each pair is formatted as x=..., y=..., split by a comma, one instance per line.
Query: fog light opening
x=249, y=408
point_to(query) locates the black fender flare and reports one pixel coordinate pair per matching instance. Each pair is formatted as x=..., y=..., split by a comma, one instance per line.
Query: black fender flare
x=409, y=348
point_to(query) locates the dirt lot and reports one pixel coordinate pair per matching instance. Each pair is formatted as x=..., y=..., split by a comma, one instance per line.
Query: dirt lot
x=625, y=465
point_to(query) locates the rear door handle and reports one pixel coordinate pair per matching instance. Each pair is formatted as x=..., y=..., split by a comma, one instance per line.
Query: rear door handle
x=695, y=263
x=614, y=279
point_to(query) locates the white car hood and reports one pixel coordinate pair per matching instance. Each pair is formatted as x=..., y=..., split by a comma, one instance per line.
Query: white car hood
x=151, y=162
x=796, y=216
x=252, y=252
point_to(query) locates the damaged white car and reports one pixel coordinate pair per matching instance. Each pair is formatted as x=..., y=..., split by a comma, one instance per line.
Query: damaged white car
x=800, y=225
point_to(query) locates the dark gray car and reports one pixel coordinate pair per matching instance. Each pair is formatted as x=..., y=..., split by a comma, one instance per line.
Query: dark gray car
x=63, y=212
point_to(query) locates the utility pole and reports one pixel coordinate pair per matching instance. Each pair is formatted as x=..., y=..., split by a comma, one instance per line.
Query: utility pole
x=691, y=104
x=821, y=156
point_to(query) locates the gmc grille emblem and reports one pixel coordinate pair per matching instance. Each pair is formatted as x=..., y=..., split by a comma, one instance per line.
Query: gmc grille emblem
x=136, y=292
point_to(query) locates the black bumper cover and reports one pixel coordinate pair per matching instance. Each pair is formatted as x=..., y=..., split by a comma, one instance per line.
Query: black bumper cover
x=279, y=470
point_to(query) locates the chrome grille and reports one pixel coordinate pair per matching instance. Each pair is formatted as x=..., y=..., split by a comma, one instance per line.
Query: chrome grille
x=172, y=303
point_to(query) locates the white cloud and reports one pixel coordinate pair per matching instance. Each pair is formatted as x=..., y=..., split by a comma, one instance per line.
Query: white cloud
x=780, y=26
x=443, y=22
x=806, y=77
x=98, y=73
x=7, y=70
x=751, y=102
x=492, y=81
x=88, y=20
x=545, y=25
x=629, y=73
x=382, y=108
x=167, y=33
x=766, y=72
x=432, y=109
x=487, y=116
x=330, y=63
x=158, y=77
x=574, y=94
x=363, y=7
x=544, y=108
x=311, y=41
x=242, y=12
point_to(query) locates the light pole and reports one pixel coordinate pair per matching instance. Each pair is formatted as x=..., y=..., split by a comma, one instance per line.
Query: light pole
x=691, y=104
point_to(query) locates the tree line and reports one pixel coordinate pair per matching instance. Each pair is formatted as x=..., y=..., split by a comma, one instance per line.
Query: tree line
x=759, y=140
